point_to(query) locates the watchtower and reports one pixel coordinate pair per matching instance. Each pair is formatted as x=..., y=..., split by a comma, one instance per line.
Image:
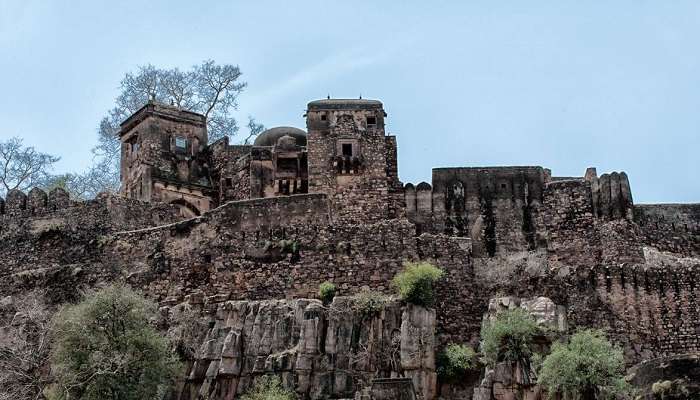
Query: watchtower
x=163, y=158
x=351, y=158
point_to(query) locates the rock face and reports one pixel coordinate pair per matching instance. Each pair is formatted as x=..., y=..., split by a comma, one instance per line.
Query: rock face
x=510, y=380
x=680, y=368
x=320, y=351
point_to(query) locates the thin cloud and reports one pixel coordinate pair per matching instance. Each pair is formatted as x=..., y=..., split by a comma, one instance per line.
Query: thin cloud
x=332, y=67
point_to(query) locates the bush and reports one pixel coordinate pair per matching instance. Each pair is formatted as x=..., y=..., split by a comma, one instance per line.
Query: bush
x=369, y=303
x=268, y=387
x=326, y=292
x=670, y=390
x=105, y=348
x=509, y=337
x=588, y=365
x=455, y=360
x=415, y=283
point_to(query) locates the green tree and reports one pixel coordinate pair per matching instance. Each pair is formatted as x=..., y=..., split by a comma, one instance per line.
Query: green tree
x=268, y=387
x=106, y=348
x=455, y=360
x=587, y=367
x=509, y=337
x=415, y=283
x=326, y=292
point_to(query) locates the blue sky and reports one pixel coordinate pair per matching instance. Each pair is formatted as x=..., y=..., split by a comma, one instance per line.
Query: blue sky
x=562, y=84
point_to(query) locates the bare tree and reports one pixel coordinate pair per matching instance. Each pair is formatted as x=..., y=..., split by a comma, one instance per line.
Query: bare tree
x=254, y=129
x=209, y=89
x=23, y=167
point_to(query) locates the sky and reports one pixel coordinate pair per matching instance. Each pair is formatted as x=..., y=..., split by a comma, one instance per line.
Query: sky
x=562, y=84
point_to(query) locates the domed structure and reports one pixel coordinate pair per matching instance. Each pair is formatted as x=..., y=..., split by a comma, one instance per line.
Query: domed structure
x=272, y=135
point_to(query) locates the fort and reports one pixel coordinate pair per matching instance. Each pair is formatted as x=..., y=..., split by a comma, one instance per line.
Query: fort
x=209, y=225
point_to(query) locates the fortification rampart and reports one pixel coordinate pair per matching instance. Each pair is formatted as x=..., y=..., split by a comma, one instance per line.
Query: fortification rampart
x=284, y=247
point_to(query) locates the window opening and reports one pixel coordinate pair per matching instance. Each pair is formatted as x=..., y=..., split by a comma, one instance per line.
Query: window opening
x=347, y=149
x=180, y=143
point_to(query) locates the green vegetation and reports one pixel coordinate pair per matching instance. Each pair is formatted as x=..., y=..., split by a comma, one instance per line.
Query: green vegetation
x=509, y=337
x=326, y=292
x=105, y=348
x=455, y=360
x=589, y=364
x=670, y=390
x=288, y=246
x=268, y=387
x=415, y=283
x=370, y=303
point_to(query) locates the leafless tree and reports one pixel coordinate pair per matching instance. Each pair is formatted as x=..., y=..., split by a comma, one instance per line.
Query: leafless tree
x=254, y=129
x=23, y=167
x=209, y=89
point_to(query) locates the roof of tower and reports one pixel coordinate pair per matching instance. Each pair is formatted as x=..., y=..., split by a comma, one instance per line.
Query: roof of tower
x=272, y=135
x=163, y=111
x=344, y=104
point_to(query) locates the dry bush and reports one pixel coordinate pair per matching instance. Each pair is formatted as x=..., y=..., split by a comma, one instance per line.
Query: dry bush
x=24, y=346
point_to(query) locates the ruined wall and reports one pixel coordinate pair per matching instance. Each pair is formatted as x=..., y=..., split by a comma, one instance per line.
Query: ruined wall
x=230, y=170
x=284, y=247
x=320, y=351
x=571, y=232
x=670, y=227
x=397, y=204
x=611, y=195
x=497, y=207
x=49, y=241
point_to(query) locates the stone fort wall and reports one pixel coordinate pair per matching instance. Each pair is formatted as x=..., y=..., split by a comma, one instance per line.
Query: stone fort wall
x=285, y=247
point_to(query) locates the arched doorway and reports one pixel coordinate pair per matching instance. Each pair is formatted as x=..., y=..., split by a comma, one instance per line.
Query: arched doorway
x=187, y=209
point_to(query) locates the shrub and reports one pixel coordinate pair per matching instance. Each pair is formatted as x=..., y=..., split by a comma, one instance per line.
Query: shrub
x=415, y=283
x=509, y=337
x=670, y=390
x=105, y=348
x=588, y=365
x=455, y=360
x=326, y=292
x=369, y=303
x=268, y=387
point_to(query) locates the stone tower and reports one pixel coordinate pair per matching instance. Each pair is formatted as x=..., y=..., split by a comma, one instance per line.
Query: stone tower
x=351, y=159
x=163, y=158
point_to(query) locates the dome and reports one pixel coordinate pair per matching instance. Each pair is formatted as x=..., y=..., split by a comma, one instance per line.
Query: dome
x=272, y=135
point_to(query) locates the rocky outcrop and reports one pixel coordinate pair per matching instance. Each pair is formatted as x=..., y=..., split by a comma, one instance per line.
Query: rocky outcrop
x=683, y=370
x=320, y=351
x=507, y=380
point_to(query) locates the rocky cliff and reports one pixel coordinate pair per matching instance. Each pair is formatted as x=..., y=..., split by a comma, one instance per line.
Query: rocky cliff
x=322, y=351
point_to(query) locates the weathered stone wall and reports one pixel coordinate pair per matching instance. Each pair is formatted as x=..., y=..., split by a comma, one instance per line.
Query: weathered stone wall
x=284, y=247
x=230, y=170
x=495, y=206
x=670, y=227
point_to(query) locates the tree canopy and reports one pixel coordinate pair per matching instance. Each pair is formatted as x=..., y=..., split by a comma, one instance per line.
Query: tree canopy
x=106, y=348
x=23, y=167
x=588, y=364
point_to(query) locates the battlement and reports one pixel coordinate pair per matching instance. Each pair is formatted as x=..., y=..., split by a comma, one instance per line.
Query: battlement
x=36, y=202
